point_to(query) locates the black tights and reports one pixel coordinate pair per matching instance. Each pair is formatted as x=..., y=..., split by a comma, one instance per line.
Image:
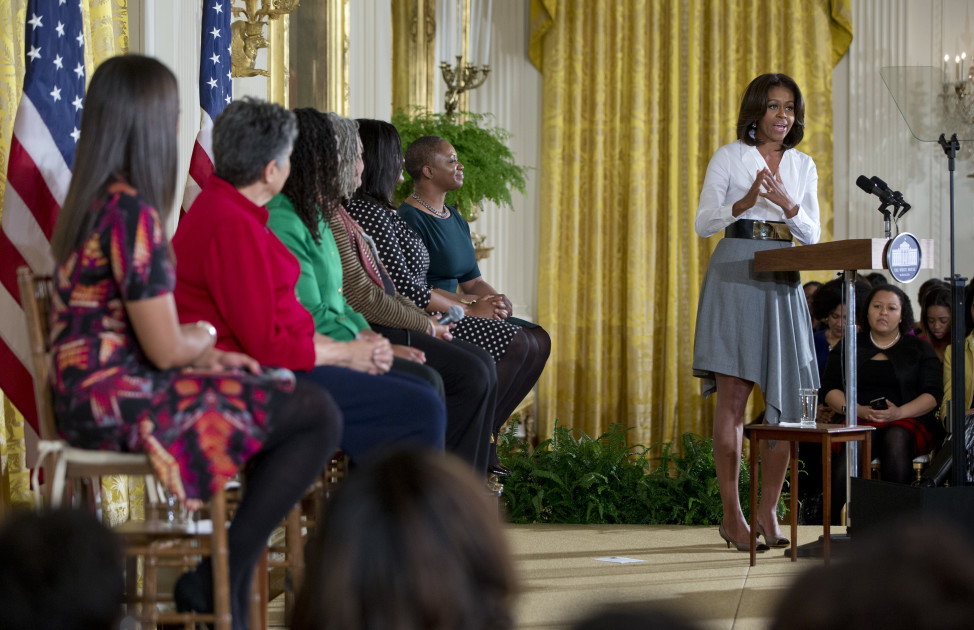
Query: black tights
x=305, y=429
x=517, y=372
x=894, y=448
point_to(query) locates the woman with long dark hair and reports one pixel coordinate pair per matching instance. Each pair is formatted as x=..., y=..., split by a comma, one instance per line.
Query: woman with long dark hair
x=519, y=351
x=127, y=376
x=754, y=327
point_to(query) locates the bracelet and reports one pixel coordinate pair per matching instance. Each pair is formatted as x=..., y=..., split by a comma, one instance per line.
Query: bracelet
x=467, y=302
x=209, y=328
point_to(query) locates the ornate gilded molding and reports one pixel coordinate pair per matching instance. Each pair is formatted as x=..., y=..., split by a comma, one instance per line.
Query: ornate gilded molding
x=414, y=68
x=247, y=34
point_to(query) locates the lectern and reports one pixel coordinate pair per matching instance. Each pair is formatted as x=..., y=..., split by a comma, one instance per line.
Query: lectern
x=853, y=255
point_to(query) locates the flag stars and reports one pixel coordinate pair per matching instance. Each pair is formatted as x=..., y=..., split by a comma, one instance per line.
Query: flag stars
x=215, y=32
x=211, y=82
x=34, y=53
x=58, y=62
x=56, y=94
x=215, y=58
x=81, y=39
x=35, y=21
x=218, y=7
x=80, y=70
x=78, y=104
x=60, y=29
x=76, y=134
x=227, y=99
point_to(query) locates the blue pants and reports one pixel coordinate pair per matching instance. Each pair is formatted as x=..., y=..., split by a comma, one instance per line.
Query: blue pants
x=391, y=408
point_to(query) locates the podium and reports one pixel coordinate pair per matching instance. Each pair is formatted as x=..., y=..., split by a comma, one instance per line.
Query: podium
x=851, y=256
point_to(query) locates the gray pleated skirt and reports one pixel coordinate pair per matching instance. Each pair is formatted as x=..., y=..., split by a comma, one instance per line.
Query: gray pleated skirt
x=754, y=326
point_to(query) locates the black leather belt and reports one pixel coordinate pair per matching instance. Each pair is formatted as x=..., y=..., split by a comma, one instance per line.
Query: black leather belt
x=760, y=230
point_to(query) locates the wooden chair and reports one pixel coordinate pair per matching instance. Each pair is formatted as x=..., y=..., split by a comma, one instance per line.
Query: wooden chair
x=156, y=542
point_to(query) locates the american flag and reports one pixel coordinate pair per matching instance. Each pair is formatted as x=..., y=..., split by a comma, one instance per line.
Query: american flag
x=216, y=91
x=46, y=132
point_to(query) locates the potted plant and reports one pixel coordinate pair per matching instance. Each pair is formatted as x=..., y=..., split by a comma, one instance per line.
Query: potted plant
x=490, y=171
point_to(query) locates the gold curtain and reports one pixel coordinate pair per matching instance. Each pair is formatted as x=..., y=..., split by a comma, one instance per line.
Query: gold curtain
x=106, y=35
x=638, y=94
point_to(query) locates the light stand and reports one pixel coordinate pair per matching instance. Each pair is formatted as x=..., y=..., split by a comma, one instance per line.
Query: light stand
x=957, y=283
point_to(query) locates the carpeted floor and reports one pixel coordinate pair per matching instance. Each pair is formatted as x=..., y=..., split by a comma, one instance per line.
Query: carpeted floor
x=687, y=569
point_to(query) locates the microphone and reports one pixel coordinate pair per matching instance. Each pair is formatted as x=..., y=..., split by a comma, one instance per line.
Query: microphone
x=896, y=195
x=872, y=188
x=455, y=314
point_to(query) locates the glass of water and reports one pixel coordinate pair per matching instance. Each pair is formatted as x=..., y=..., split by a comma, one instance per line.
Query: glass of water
x=809, y=406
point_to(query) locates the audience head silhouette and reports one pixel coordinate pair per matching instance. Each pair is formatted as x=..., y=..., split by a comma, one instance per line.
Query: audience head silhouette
x=913, y=575
x=409, y=542
x=61, y=570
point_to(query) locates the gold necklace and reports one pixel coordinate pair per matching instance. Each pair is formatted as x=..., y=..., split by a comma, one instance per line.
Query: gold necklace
x=887, y=346
x=439, y=213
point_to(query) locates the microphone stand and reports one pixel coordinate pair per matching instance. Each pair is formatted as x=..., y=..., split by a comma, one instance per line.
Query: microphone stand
x=957, y=403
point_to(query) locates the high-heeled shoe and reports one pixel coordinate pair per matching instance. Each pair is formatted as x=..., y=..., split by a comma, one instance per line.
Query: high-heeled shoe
x=772, y=541
x=741, y=546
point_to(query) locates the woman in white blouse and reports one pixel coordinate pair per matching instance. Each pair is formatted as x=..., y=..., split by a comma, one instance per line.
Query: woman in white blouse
x=755, y=327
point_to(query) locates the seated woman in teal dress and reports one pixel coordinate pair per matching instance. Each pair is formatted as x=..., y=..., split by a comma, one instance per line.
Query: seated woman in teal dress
x=520, y=352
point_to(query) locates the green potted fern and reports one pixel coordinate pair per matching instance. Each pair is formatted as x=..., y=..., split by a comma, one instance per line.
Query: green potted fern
x=490, y=171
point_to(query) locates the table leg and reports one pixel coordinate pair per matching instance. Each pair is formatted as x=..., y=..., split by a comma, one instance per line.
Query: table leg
x=754, y=496
x=867, y=469
x=793, y=491
x=827, y=495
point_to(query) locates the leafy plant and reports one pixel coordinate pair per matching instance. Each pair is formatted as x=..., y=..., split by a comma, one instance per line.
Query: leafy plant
x=490, y=171
x=572, y=478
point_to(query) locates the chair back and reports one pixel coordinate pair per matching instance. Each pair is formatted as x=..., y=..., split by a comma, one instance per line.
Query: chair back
x=35, y=297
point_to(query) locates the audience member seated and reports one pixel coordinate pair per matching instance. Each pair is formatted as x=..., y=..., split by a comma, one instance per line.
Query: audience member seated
x=940, y=466
x=410, y=542
x=913, y=575
x=810, y=288
x=935, y=319
x=127, y=376
x=925, y=288
x=828, y=306
x=234, y=272
x=876, y=279
x=520, y=351
x=302, y=217
x=60, y=571
x=900, y=383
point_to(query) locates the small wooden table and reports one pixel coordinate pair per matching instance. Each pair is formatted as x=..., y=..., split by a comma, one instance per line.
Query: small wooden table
x=824, y=434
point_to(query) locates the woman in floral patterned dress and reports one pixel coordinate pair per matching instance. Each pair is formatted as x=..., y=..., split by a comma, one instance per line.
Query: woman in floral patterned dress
x=127, y=377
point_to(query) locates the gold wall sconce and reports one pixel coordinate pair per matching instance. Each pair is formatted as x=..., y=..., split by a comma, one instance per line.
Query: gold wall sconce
x=467, y=40
x=247, y=34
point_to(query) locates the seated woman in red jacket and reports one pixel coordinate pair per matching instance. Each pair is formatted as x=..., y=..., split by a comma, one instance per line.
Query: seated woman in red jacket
x=236, y=274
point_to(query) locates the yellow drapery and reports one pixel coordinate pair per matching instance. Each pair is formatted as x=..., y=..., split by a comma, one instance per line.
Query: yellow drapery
x=638, y=94
x=106, y=35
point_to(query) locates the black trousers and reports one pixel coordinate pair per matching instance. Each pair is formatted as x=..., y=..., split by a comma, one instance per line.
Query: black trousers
x=470, y=382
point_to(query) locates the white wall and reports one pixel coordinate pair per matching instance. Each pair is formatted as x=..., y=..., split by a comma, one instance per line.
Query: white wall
x=872, y=138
